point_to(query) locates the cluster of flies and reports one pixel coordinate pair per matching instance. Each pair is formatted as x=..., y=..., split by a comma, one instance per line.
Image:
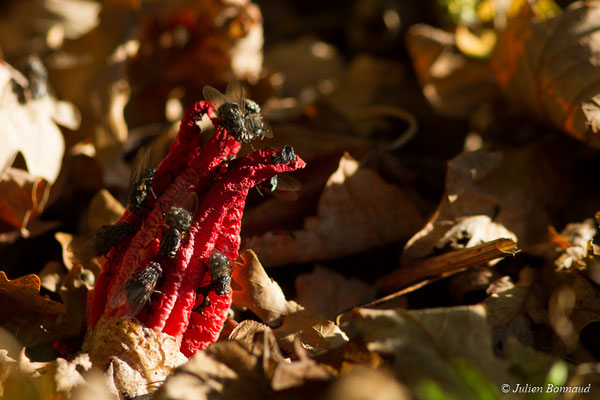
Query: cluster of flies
x=243, y=120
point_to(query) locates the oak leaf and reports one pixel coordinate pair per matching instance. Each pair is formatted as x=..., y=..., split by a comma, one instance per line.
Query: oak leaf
x=550, y=68
x=357, y=211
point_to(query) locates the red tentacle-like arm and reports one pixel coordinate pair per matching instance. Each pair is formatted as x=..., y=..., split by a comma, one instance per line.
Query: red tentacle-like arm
x=221, y=182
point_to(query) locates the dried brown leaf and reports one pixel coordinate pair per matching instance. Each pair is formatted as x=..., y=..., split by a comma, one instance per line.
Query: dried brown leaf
x=548, y=67
x=226, y=369
x=19, y=376
x=67, y=255
x=357, y=211
x=96, y=386
x=561, y=303
x=30, y=26
x=423, y=343
x=492, y=195
x=571, y=307
x=28, y=127
x=313, y=331
x=571, y=246
x=454, y=84
x=258, y=339
x=23, y=295
x=255, y=290
x=298, y=373
x=249, y=367
x=51, y=276
x=506, y=312
x=327, y=292
x=24, y=198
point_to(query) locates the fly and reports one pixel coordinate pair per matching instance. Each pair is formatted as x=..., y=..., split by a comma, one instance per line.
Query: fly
x=286, y=155
x=178, y=222
x=220, y=273
x=136, y=291
x=240, y=116
x=94, y=244
x=140, y=181
x=220, y=279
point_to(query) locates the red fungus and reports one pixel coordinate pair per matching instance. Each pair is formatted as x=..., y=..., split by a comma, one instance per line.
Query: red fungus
x=221, y=183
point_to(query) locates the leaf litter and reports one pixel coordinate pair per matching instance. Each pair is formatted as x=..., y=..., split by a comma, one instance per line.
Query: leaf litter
x=447, y=186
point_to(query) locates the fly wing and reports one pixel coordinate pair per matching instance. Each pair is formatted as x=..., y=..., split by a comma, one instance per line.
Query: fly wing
x=119, y=297
x=141, y=163
x=135, y=304
x=289, y=196
x=288, y=183
x=267, y=131
x=134, y=292
x=213, y=95
x=235, y=92
x=186, y=200
x=287, y=187
x=133, y=301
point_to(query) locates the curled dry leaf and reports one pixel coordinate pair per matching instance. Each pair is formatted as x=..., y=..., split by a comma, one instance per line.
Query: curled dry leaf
x=258, y=338
x=560, y=302
x=453, y=83
x=357, y=211
x=253, y=289
x=67, y=255
x=28, y=127
x=34, y=319
x=507, y=307
x=425, y=343
x=96, y=386
x=91, y=267
x=558, y=83
x=139, y=356
x=203, y=377
x=571, y=307
x=572, y=245
x=249, y=365
x=313, y=331
x=298, y=373
x=73, y=292
x=25, y=198
x=54, y=379
x=23, y=295
x=73, y=287
x=51, y=276
x=492, y=195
